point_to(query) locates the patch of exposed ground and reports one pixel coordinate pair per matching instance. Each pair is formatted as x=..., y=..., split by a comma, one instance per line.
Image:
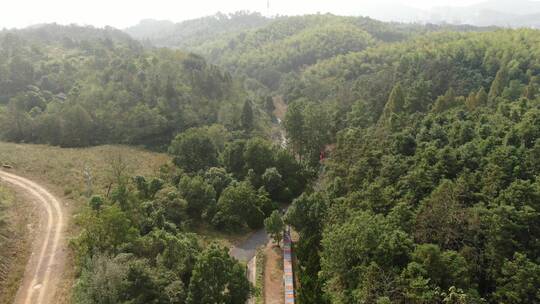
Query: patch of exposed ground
x=15, y=240
x=45, y=267
x=273, y=275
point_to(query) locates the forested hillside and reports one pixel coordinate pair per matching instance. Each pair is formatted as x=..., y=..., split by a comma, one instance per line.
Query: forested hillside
x=411, y=160
x=431, y=194
x=102, y=87
x=289, y=44
x=425, y=67
x=137, y=240
x=189, y=34
x=271, y=53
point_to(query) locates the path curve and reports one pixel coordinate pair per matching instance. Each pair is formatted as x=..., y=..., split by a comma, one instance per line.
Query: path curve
x=247, y=250
x=45, y=266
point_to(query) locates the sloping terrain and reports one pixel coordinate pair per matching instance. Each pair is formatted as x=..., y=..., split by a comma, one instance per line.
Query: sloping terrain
x=45, y=268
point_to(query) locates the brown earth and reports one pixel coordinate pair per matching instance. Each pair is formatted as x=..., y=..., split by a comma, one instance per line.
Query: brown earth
x=62, y=172
x=15, y=240
x=280, y=107
x=44, y=270
x=273, y=275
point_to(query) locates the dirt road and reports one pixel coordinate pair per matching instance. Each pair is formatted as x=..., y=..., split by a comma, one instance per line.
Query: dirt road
x=245, y=251
x=273, y=276
x=45, y=266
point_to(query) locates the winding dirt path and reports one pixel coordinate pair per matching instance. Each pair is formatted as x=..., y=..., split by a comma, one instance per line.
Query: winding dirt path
x=45, y=266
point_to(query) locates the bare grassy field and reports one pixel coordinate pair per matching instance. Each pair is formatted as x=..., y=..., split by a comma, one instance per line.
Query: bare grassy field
x=64, y=170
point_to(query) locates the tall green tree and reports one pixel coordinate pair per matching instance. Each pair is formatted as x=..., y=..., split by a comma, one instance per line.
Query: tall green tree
x=273, y=183
x=247, y=119
x=239, y=206
x=232, y=158
x=274, y=226
x=193, y=150
x=498, y=84
x=393, y=112
x=518, y=280
x=258, y=156
x=294, y=125
x=217, y=279
x=200, y=196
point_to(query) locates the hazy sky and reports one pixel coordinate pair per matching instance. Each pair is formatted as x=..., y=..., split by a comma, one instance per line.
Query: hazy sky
x=123, y=13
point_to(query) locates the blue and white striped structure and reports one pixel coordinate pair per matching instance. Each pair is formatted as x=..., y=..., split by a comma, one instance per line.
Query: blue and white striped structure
x=288, y=277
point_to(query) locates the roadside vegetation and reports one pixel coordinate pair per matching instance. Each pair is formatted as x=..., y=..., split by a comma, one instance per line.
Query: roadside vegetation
x=260, y=267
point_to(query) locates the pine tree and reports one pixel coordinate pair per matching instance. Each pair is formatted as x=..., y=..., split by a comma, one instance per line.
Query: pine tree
x=295, y=127
x=498, y=85
x=530, y=91
x=396, y=101
x=475, y=100
x=471, y=102
x=394, y=105
x=482, y=97
x=269, y=104
x=246, y=119
x=445, y=102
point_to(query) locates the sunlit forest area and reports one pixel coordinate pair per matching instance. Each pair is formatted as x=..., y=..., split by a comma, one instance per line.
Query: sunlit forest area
x=410, y=166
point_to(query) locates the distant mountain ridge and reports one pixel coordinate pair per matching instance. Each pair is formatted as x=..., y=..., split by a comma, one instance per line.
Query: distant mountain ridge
x=148, y=28
x=189, y=33
x=519, y=13
x=269, y=51
x=52, y=32
x=196, y=31
x=502, y=13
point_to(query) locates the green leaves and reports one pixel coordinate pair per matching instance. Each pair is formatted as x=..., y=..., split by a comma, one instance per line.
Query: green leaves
x=217, y=279
x=193, y=150
x=274, y=226
x=200, y=196
x=239, y=206
x=246, y=119
x=309, y=129
x=518, y=281
x=75, y=87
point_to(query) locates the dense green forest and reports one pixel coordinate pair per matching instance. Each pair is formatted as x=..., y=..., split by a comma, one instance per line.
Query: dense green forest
x=412, y=154
x=137, y=243
x=431, y=193
x=77, y=86
x=272, y=55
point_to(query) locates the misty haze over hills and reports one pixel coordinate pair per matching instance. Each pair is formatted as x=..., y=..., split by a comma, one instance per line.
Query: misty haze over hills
x=519, y=13
x=503, y=13
x=405, y=155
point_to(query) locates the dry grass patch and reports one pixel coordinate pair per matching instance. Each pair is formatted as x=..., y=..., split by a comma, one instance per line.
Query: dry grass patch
x=64, y=171
x=16, y=225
